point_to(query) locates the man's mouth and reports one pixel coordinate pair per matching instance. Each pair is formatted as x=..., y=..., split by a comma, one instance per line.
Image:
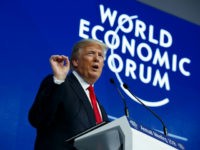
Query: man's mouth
x=95, y=67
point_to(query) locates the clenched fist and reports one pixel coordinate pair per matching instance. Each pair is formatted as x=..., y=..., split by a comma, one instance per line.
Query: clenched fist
x=60, y=65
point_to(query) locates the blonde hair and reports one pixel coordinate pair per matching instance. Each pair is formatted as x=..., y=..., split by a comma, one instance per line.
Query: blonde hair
x=85, y=42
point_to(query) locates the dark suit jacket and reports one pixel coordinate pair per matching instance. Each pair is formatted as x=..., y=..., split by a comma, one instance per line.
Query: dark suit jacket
x=60, y=112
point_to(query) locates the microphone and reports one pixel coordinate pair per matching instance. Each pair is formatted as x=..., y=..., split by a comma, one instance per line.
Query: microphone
x=123, y=99
x=159, y=118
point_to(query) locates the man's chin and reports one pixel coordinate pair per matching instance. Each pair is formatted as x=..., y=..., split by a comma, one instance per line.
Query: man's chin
x=95, y=75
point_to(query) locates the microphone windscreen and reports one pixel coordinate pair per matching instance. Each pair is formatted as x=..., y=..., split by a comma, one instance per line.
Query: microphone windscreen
x=112, y=80
x=125, y=86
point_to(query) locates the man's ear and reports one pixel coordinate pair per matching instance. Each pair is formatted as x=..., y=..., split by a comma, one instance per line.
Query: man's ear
x=75, y=62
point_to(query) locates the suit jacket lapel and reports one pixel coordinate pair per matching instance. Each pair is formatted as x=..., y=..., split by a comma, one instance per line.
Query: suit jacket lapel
x=83, y=97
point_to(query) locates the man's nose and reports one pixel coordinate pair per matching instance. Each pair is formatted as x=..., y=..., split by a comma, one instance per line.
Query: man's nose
x=96, y=57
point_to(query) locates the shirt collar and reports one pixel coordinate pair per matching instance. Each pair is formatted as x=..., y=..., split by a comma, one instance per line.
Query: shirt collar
x=83, y=83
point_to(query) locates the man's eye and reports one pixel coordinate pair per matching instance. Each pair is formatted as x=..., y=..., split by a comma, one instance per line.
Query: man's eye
x=100, y=55
x=90, y=53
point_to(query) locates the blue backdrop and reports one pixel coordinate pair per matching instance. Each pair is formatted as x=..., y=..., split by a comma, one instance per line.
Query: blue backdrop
x=155, y=53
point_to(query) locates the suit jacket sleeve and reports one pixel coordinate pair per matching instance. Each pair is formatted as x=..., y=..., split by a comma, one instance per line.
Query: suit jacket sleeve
x=46, y=103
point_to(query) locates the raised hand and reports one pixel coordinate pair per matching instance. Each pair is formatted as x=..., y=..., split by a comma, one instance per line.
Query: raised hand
x=60, y=65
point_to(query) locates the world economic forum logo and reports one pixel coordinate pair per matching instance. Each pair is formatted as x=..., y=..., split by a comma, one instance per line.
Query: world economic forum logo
x=128, y=37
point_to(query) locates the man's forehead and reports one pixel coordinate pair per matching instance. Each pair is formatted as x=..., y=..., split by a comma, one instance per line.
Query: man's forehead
x=93, y=46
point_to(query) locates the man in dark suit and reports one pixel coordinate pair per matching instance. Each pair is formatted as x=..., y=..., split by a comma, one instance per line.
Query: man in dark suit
x=63, y=107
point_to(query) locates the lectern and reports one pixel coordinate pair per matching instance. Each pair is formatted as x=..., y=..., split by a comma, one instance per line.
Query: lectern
x=125, y=134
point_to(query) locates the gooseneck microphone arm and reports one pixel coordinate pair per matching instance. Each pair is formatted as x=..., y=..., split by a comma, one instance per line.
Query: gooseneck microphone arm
x=123, y=99
x=163, y=124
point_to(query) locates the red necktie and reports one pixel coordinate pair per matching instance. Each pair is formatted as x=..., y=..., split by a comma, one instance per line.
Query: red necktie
x=94, y=104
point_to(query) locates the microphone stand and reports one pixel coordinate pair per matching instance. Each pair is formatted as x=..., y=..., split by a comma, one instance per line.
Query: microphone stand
x=163, y=124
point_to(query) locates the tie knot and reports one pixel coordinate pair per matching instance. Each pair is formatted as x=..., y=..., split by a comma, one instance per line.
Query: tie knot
x=91, y=88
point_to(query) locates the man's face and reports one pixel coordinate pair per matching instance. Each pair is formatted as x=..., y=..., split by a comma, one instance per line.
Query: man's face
x=90, y=62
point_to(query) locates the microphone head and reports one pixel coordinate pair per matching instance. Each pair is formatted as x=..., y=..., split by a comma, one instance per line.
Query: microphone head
x=112, y=80
x=125, y=86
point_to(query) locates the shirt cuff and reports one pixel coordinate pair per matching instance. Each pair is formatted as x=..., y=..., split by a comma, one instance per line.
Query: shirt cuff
x=57, y=81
